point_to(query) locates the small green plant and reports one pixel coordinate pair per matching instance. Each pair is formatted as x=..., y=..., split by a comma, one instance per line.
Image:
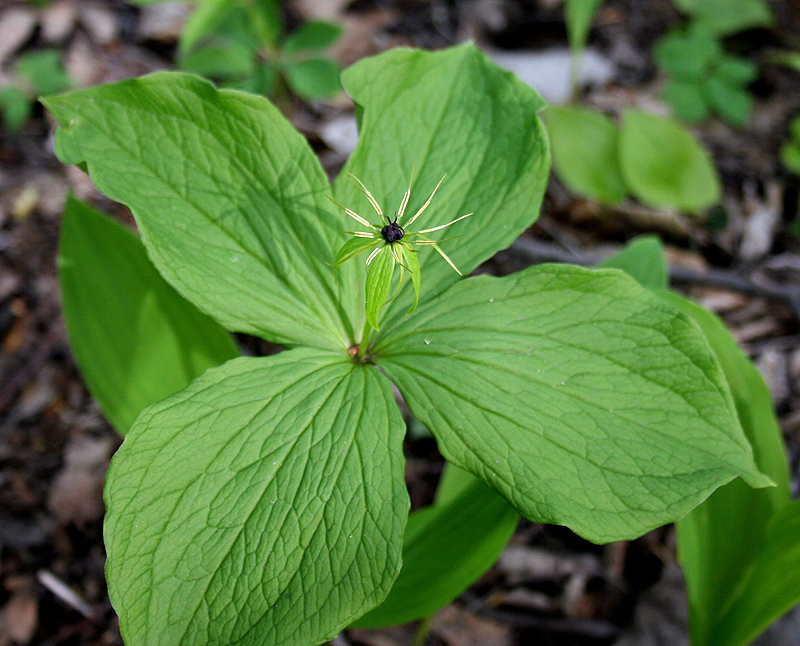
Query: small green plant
x=650, y=157
x=243, y=44
x=265, y=502
x=37, y=73
x=703, y=78
x=790, y=151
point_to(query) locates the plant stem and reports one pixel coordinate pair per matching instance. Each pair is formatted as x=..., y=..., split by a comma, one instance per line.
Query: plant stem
x=363, y=344
x=422, y=631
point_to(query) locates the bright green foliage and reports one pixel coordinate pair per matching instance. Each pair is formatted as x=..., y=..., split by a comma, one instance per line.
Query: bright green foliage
x=532, y=419
x=726, y=17
x=790, y=151
x=653, y=158
x=280, y=506
x=740, y=549
x=703, y=79
x=242, y=44
x=474, y=123
x=663, y=164
x=135, y=339
x=585, y=153
x=233, y=252
x=265, y=503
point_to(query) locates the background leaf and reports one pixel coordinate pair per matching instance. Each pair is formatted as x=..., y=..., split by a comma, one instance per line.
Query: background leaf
x=135, y=338
x=316, y=78
x=584, y=144
x=284, y=520
x=643, y=260
x=579, y=15
x=627, y=430
x=315, y=35
x=447, y=546
x=664, y=165
x=454, y=112
x=725, y=17
x=228, y=197
x=15, y=106
x=738, y=563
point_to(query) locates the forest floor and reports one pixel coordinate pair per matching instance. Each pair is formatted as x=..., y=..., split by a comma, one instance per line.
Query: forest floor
x=550, y=587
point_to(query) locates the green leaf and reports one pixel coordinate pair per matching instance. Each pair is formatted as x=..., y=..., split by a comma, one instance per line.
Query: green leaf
x=317, y=78
x=726, y=17
x=664, y=165
x=353, y=247
x=42, y=69
x=788, y=58
x=220, y=61
x=576, y=394
x=312, y=36
x=686, y=54
x=686, y=100
x=736, y=70
x=228, y=196
x=579, y=15
x=790, y=156
x=470, y=528
x=584, y=144
x=279, y=511
x=425, y=114
x=15, y=106
x=643, y=260
x=740, y=568
x=135, y=339
x=204, y=19
x=267, y=20
x=379, y=281
x=732, y=102
x=264, y=81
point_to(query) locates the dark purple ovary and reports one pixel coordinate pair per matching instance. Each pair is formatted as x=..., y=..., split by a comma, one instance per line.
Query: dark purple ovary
x=392, y=232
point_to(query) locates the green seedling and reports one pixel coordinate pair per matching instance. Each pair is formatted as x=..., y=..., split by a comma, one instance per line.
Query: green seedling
x=265, y=502
x=703, y=78
x=790, y=151
x=243, y=44
x=655, y=159
x=37, y=73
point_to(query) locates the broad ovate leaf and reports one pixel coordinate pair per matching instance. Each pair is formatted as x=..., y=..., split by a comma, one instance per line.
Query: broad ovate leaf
x=426, y=114
x=663, y=165
x=264, y=504
x=579, y=396
x=135, y=338
x=584, y=146
x=228, y=196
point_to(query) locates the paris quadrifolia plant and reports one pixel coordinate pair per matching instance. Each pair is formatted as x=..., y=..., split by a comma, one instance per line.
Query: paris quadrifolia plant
x=265, y=502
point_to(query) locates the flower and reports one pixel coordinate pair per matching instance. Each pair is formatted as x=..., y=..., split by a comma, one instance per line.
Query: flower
x=392, y=247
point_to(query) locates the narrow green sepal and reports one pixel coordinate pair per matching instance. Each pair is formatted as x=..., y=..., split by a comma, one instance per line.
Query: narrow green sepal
x=412, y=263
x=379, y=280
x=352, y=248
